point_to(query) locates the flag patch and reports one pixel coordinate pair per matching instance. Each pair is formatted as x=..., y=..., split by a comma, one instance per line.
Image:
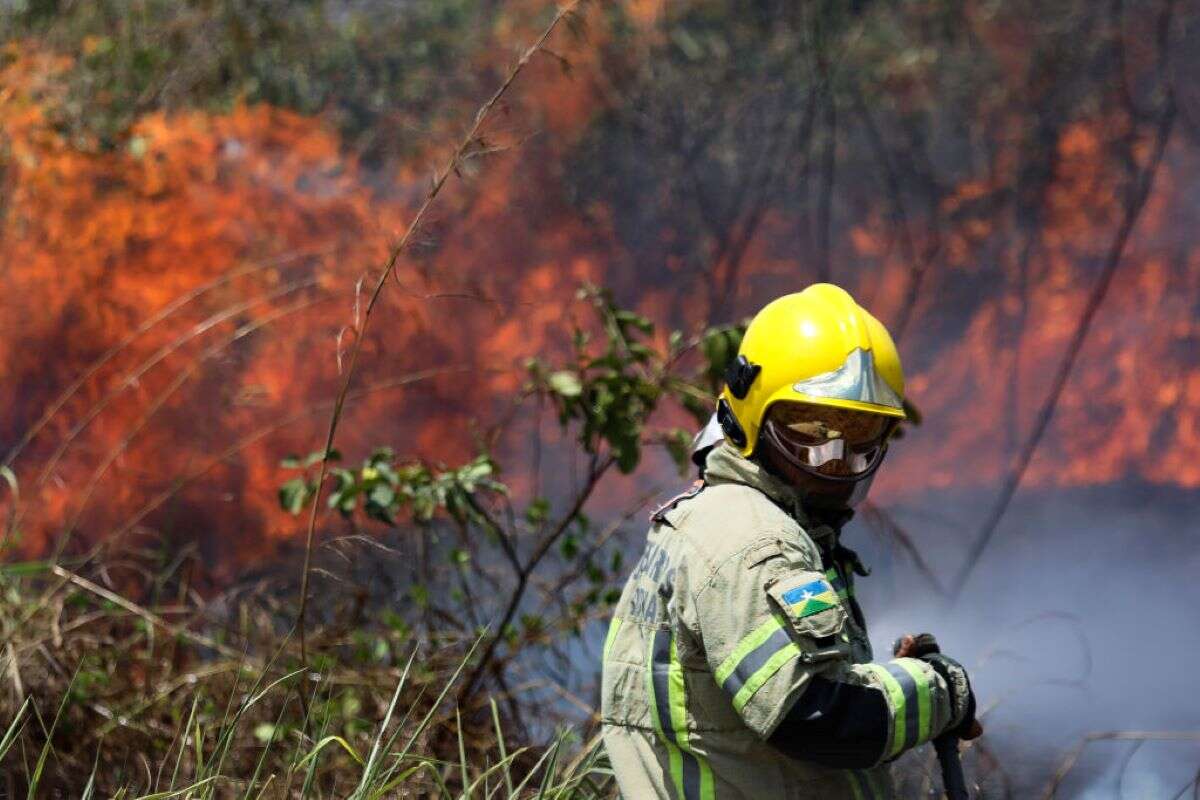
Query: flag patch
x=811, y=598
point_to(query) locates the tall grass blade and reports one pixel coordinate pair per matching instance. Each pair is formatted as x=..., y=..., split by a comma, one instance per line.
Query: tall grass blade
x=89, y=790
x=14, y=729
x=403, y=754
x=262, y=758
x=548, y=775
x=338, y=740
x=504, y=766
x=533, y=771
x=508, y=785
x=310, y=775
x=36, y=777
x=186, y=791
x=187, y=726
x=462, y=754
x=368, y=775
x=229, y=729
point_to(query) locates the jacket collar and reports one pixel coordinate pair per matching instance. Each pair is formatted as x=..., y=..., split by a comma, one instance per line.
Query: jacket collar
x=727, y=465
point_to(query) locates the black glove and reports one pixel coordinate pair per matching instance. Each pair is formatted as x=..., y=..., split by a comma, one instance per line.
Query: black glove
x=962, y=699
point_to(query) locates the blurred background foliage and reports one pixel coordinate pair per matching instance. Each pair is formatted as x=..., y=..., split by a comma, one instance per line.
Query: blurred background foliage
x=369, y=66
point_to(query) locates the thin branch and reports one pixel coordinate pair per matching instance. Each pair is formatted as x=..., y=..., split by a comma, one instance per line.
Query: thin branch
x=1111, y=736
x=598, y=469
x=1125, y=762
x=1133, y=213
x=888, y=525
x=555, y=590
x=506, y=543
x=149, y=616
x=440, y=179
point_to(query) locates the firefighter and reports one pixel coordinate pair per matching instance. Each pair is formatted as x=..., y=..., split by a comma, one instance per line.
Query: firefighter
x=737, y=663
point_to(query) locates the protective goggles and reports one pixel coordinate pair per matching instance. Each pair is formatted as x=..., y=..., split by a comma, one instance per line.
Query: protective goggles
x=812, y=446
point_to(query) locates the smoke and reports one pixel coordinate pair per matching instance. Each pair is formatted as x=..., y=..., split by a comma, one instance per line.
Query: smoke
x=1080, y=619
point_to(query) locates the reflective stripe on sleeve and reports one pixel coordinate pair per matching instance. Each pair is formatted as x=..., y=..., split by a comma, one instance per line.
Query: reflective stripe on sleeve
x=690, y=773
x=908, y=697
x=862, y=785
x=924, y=702
x=756, y=658
x=611, y=637
x=896, y=703
x=854, y=778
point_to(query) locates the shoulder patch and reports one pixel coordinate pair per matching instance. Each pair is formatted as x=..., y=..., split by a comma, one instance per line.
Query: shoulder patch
x=809, y=602
x=660, y=513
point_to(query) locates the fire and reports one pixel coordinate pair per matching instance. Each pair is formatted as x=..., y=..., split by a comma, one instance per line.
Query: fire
x=1130, y=408
x=257, y=224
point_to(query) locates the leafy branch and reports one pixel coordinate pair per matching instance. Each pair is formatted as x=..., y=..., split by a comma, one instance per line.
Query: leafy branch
x=602, y=392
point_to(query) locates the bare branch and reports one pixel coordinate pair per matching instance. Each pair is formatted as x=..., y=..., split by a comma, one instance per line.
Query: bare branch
x=1133, y=210
x=389, y=269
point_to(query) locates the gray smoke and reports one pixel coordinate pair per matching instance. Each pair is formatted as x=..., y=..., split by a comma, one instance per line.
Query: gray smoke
x=1081, y=618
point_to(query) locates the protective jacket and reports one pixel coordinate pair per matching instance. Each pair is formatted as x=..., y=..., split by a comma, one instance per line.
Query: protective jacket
x=737, y=663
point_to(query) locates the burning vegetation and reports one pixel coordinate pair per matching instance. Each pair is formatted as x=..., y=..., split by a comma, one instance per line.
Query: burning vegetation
x=190, y=235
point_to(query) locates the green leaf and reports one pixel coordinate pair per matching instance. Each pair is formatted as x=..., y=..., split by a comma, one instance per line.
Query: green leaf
x=380, y=502
x=629, y=318
x=674, y=341
x=298, y=462
x=538, y=511
x=10, y=478
x=533, y=624
x=628, y=455
x=565, y=383
x=381, y=455
x=264, y=732
x=569, y=546
x=640, y=352
x=294, y=495
x=397, y=624
x=328, y=740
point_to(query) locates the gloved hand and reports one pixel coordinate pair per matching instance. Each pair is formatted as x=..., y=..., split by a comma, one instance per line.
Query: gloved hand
x=925, y=647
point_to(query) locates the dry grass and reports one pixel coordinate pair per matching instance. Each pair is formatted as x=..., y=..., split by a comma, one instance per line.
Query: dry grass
x=179, y=697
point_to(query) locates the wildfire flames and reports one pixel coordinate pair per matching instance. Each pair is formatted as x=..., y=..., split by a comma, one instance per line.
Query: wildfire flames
x=209, y=267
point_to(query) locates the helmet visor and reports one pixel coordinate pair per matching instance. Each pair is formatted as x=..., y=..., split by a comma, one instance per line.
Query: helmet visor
x=833, y=443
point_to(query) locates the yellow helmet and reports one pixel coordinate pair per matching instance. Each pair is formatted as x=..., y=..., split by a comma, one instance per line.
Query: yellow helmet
x=817, y=346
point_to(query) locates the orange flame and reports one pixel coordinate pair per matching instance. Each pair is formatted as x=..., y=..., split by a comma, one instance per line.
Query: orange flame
x=266, y=223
